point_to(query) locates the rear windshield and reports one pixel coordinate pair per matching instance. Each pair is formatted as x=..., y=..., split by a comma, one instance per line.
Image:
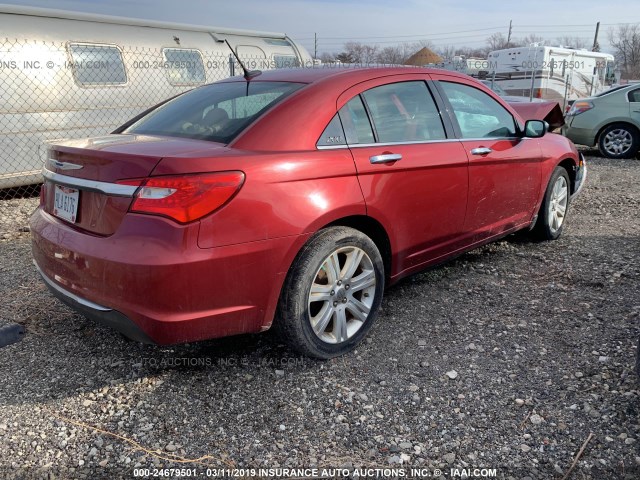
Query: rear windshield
x=218, y=112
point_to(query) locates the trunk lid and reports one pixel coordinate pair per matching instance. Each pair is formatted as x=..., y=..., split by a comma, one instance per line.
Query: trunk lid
x=78, y=169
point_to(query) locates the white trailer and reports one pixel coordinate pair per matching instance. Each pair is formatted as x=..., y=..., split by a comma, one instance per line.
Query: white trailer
x=69, y=75
x=550, y=73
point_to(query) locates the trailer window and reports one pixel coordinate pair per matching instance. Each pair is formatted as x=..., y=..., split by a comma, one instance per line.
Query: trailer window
x=183, y=66
x=286, y=61
x=277, y=41
x=97, y=65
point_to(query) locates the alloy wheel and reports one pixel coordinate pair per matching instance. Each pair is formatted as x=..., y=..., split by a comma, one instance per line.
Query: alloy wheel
x=558, y=204
x=342, y=294
x=617, y=141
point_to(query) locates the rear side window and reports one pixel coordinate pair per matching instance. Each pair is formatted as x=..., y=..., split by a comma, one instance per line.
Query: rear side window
x=356, y=123
x=404, y=112
x=333, y=134
x=183, y=66
x=478, y=115
x=97, y=65
x=217, y=112
x=634, y=96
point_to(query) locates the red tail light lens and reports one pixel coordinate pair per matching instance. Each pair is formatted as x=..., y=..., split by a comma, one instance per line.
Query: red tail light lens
x=579, y=107
x=185, y=198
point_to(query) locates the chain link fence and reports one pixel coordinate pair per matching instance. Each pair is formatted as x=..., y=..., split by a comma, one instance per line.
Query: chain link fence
x=55, y=90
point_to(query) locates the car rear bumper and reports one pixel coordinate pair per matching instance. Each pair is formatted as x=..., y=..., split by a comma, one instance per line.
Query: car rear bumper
x=580, y=136
x=153, y=283
x=100, y=314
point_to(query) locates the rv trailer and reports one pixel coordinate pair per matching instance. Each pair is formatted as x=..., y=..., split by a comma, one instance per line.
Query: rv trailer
x=550, y=73
x=69, y=75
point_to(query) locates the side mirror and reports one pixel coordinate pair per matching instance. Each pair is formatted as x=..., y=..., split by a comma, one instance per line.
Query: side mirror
x=535, y=128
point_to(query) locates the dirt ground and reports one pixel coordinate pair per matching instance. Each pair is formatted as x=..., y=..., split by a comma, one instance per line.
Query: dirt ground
x=509, y=357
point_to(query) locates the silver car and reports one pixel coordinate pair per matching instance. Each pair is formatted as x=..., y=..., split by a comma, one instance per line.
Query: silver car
x=610, y=120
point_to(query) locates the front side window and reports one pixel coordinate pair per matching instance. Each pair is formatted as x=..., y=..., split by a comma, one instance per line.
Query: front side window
x=478, y=115
x=97, y=65
x=217, y=112
x=183, y=66
x=404, y=112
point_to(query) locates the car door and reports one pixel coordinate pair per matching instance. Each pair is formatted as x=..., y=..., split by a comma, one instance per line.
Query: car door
x=634, y=105
x=504, y=168
x=412, y=174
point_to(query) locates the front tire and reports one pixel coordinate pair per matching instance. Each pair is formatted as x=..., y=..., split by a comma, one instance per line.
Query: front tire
x=332, y=293
x=555, y=205
x=619, y=141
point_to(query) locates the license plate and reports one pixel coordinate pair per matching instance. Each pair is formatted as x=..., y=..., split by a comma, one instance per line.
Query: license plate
x=65, y=203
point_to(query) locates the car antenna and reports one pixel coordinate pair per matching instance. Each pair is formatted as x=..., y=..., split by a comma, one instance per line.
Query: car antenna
x=248, y=74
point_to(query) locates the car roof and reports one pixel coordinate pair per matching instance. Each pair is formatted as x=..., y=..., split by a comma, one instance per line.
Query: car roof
x=348, y=72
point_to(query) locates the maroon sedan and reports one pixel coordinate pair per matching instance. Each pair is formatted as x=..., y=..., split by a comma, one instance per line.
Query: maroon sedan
x=291, y=200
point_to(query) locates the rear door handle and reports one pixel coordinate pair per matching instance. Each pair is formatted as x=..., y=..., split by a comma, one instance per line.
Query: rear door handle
x=385, y=158
x=481, y=151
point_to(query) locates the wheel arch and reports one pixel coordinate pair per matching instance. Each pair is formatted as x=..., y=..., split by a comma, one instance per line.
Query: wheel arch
x=615, y=122
x=569, y=164
x=372, y=229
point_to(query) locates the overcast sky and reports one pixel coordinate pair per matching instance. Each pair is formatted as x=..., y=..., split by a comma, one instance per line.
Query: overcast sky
x=384, y=23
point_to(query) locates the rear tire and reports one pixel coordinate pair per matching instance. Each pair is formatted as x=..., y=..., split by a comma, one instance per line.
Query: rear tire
x=619, y=140
x=555, y=206
x=332, y=293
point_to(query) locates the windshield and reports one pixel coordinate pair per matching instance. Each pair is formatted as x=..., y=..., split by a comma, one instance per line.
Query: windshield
x=217, y=112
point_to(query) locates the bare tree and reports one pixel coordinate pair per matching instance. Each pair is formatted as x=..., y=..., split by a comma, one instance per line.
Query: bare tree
x=497, y=41
x=408, y=49
x=572, y=42
x=361, y=53
x=532, y=38
x=626, y=41
x=391, y=55
x=344, y=57
x=420, y=44
x=326, y=57
x=447, y=52
x=470, y=52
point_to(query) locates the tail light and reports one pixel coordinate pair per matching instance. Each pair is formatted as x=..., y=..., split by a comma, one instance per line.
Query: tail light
x=579, y=107
x=184, y=198
x=538, y=93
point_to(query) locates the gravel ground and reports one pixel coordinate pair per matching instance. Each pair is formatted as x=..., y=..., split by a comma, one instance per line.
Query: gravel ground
x=508, y=357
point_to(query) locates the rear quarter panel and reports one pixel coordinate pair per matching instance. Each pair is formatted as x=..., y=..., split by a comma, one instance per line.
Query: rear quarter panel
x=284, y=194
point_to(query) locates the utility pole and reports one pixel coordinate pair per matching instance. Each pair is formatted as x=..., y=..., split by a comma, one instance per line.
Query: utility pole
x=315, y=45
x=596, y=47
x=509, y=36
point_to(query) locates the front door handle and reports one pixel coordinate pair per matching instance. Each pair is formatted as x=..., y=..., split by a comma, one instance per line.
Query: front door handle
x=385, y=158
x=481, y=151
